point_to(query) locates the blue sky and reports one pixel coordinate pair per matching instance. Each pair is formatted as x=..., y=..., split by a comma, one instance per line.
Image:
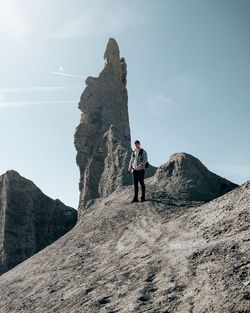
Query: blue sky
x=188, y=82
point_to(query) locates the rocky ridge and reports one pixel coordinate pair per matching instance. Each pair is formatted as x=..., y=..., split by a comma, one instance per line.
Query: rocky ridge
x=29, y=220
x=186, y=249
x=142, y=257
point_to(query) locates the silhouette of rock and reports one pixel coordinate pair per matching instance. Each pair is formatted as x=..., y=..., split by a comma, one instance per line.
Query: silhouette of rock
x=29, y=220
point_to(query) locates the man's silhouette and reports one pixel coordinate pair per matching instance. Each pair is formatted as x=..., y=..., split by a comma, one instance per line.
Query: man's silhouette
x=137, y=168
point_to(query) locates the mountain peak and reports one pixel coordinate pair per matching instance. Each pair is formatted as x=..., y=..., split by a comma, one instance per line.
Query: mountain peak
x=29, y=220
x=185, y=177
x=11, y=173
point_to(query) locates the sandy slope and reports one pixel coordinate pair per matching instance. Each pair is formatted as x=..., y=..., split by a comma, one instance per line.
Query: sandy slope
x=143, y=257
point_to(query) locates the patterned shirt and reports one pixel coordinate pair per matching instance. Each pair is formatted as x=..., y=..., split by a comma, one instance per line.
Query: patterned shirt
x=137, y=159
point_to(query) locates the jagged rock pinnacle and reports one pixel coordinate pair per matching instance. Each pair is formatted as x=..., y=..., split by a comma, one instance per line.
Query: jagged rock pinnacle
x=102, y=139
x=112, y=52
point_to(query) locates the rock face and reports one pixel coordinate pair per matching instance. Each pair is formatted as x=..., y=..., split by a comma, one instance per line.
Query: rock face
x=184, y=178
x=172, y=253
x=102, y=139
x=29, y=220
x=142, y=257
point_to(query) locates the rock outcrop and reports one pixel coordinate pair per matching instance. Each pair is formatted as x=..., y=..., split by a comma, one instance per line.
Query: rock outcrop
x=143, y=257
x=29, y=220
x=172, y=253
x=185, y=179
x=102, y=139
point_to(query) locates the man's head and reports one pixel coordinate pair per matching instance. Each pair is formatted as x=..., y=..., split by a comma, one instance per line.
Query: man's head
x=137, y=144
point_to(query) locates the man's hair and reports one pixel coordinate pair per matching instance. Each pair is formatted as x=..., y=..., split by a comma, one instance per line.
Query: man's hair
x=137, y=141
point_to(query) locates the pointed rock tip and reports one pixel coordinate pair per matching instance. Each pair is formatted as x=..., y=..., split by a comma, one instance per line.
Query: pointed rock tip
x=112, y=50
x=181, y=156
x=12, y=173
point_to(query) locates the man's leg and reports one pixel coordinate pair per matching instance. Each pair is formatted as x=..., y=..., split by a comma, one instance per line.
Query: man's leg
x=135, y=179
x=141, y=179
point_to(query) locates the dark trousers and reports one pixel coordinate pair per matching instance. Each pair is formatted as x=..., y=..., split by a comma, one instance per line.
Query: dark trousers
x=138, y=176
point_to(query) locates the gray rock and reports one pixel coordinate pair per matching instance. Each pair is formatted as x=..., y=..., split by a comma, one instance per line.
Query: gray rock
x=142, y=257
x=172, y=253
x=102, y=139
x=29, y=220
x=185, y=179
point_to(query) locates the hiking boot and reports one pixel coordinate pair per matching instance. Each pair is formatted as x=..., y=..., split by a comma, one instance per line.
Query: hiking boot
x=134, y=200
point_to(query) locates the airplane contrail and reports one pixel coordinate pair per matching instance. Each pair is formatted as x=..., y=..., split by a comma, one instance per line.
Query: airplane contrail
x=65, y=74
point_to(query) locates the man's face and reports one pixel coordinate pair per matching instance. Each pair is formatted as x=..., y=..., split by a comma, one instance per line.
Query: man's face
x=137, y=145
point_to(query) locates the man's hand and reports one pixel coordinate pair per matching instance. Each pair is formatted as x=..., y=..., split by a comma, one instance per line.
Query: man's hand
x=129, y=168
x=138, y=167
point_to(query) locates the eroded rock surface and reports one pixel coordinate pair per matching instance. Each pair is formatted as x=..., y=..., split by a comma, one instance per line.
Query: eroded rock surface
x=29, y=220
x=173, y=253
x=184, y=178
x=102, y=139
x=141, y=257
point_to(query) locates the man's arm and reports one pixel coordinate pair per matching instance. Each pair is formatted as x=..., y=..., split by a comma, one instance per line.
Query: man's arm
x=144, y=159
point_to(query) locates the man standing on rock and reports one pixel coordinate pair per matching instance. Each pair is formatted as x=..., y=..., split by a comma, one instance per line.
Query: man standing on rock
x=137, y=167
